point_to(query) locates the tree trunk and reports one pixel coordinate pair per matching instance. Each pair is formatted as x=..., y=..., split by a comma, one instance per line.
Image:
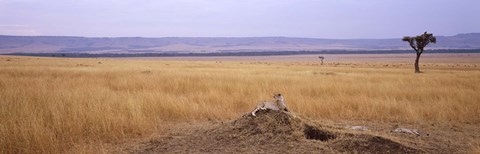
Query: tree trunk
x=417, y=68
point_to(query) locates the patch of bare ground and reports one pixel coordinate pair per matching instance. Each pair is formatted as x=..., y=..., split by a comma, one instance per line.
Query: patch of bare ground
x=280, y=132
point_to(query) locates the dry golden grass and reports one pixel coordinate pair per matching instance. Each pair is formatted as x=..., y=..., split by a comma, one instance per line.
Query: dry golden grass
x=50, y=105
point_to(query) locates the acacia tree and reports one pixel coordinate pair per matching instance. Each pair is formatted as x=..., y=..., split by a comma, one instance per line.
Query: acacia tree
x=418, y=44
x=321, y=58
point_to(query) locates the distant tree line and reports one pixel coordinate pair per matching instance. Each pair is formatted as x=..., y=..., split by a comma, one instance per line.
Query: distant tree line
x=230, y=53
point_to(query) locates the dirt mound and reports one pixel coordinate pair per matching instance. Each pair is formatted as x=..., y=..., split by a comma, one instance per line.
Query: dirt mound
x=275, y=124
x=272, y=132
x=371, y=144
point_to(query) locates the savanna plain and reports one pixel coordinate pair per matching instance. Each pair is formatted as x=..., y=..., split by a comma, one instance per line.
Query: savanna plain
x=99, y=105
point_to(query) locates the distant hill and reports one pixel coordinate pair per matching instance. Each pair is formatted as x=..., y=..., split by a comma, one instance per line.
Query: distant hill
x=125, y=45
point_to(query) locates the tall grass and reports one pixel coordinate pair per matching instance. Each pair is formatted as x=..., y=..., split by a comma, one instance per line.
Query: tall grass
x=52, y=105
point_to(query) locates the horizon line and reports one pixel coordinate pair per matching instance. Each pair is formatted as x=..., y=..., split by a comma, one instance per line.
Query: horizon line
x=219, y=37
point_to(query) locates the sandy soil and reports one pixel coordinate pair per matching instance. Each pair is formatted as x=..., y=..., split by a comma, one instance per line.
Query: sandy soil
x=280, y=132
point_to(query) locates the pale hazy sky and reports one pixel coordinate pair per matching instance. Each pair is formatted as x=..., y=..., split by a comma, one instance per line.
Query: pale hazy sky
x=239, y=18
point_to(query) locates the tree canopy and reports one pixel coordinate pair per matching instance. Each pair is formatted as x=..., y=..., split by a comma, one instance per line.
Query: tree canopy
x=418, y=43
